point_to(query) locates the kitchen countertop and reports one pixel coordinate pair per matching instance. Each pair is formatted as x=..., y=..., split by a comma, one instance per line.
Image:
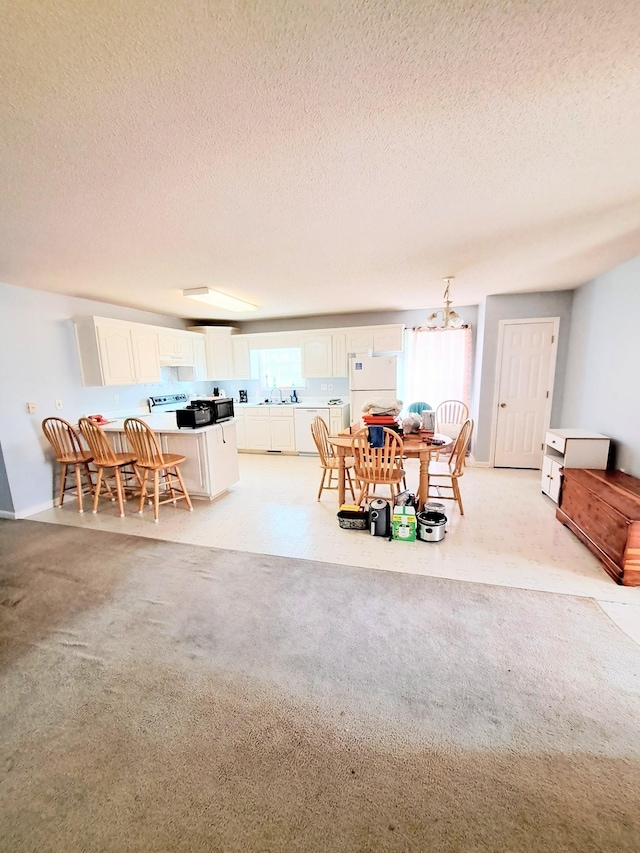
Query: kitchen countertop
x=164, y=422
x=323, y=404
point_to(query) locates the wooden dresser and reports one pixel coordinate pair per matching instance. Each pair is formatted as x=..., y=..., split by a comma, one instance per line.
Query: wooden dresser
x=603, y=509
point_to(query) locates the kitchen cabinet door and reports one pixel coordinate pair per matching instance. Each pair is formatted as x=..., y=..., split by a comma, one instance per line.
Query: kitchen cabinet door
x=146, y=359
x=317, y=356
x=241, y=436
x=359, y=340
x=257, y=431
x=116, y=355
x=283, y=434
x=219, y=356
x=240, y=358
x=339, y=352
x=388, y=339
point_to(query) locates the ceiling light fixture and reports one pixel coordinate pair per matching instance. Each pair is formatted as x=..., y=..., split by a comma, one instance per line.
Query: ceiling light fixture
x=220, y=300
x=445, y=318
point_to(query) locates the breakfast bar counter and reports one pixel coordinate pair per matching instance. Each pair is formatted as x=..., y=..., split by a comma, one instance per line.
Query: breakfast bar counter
x=211, y=452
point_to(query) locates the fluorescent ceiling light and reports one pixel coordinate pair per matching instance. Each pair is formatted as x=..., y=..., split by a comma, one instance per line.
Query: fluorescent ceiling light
x=220, y=300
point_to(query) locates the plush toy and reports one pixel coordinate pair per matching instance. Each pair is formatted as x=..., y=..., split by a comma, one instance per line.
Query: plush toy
x=411, y=423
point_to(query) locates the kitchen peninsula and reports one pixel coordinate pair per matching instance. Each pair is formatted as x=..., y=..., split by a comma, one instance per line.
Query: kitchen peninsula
x=211, y=452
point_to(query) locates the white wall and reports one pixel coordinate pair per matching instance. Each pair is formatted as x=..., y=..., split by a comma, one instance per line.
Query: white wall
x=40, y=364
x=601, y=388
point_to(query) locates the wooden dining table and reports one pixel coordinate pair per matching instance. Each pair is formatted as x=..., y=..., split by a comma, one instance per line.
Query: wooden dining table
x=415, y=446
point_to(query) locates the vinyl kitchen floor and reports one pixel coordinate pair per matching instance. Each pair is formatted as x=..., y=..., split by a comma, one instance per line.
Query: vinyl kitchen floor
x=508, y=536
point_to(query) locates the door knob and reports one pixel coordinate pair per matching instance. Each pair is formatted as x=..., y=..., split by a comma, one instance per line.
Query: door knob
x=503, y=405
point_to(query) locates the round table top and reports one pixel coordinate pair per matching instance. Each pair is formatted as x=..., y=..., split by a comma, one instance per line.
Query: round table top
x=413, y=442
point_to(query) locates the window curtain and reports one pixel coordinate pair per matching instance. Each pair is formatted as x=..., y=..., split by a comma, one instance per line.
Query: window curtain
x=437, y=366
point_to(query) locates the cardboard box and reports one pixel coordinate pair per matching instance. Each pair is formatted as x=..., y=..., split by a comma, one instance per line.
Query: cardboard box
x=403, y=524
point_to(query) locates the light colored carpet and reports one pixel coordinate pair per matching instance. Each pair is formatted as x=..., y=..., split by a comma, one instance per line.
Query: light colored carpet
x=164, y=697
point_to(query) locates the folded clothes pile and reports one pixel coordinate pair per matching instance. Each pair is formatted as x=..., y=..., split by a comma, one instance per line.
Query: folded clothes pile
x=382, y=406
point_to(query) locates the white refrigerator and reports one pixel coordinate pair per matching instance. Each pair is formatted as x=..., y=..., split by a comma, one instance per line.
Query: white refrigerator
x=371, y=376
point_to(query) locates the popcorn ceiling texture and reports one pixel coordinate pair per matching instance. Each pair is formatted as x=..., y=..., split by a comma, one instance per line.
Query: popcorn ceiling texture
x=317, y=156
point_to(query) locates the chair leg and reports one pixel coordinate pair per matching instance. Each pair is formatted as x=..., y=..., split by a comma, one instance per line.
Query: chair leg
x=456, y=492
x=119, y=490
x=96, y=494
x=322, y=479
x=364, y=493
x=63, y=471
x=143, y=491
x=184, y=489
x=156, y=494
x=348, y=473
x=78, y=487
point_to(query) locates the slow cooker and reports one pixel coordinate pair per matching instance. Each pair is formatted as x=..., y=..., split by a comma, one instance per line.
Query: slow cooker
x=431, y=523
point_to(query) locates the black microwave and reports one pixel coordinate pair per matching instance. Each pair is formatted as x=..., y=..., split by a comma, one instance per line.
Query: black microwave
x=204, y=412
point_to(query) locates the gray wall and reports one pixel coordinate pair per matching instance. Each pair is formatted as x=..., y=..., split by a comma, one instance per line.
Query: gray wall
x=601, y=389
x=6, y=504
x=417, y=317
x=40, y=362
x=517, y=306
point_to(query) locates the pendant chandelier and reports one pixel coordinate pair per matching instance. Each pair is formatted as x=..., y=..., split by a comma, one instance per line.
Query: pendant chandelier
x=445, y=318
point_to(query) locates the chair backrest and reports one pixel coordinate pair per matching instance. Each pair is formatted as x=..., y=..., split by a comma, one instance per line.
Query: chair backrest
x=143, y=442
x=418, y=408
x=319, y=433
x=63, y=438
x=450, y=415
x=376, y=464
x=456, y=460
x=98, y=442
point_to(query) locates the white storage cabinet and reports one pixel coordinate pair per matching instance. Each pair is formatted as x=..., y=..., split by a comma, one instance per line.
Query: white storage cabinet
x=269, y=428
x=571, y=448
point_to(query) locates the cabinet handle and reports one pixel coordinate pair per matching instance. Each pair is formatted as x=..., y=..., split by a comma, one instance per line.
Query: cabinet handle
x=503, y=405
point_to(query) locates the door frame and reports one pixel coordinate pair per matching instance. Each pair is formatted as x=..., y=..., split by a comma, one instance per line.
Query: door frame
x=502, y=324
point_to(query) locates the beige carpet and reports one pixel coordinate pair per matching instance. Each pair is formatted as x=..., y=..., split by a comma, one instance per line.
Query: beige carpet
x=162, y=697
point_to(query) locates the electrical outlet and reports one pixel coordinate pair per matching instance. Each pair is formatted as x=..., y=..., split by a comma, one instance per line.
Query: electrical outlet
x=329, y=387
x=323, y=387
x=58, y=404
x=31, y=407
x=116, y=399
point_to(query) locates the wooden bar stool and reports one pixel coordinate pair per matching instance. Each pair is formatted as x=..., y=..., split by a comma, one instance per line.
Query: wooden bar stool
x=109, y=464
x=165, y=466
x=66, y=445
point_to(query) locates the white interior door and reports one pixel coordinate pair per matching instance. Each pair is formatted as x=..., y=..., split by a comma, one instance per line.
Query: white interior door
x=526, y=363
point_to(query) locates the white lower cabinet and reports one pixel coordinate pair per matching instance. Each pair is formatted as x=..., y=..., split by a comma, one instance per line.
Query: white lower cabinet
x=269, y=428
x=571, y=448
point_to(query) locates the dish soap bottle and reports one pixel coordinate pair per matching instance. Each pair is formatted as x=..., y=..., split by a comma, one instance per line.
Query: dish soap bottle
x=294, y=396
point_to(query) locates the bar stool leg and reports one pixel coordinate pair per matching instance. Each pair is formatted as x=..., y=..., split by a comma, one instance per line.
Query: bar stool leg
x=79, y=487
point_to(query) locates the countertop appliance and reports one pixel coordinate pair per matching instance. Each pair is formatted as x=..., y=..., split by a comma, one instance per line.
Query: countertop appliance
x=194, y=417
x=371, y=376
x=379, y=517
x=431, y=523
x=210, y=411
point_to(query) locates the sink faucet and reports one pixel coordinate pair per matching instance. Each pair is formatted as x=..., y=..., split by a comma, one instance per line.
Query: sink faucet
x=271, y=394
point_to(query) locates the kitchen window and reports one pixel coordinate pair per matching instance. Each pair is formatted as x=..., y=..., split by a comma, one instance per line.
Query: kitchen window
x=277, y=368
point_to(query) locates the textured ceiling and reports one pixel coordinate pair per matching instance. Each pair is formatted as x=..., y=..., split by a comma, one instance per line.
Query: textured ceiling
x=316, y=156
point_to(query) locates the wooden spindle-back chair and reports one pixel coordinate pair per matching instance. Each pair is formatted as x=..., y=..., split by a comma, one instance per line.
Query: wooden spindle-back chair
x=164, y=466
x=69, y=453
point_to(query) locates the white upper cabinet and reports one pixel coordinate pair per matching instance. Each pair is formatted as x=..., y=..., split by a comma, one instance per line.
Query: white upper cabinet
x=317, y=356
x=241, y=359
x=114, y=352
x=339, y=359
x=146, y=359
x=196, y=372
x=359, y=340
x=175, y=347
x=376, y=338
x=116, y=355
x=227, y=354
x=388, y=338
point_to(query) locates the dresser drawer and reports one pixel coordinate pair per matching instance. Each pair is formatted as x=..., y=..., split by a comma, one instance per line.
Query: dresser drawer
x=555, y=441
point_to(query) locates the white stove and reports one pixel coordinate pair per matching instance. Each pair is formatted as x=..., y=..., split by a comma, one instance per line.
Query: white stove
x=167, y=403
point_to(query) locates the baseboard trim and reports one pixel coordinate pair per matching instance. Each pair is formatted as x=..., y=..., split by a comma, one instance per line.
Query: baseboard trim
x=32, y=510
x=4, y=513
x=477, y=464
